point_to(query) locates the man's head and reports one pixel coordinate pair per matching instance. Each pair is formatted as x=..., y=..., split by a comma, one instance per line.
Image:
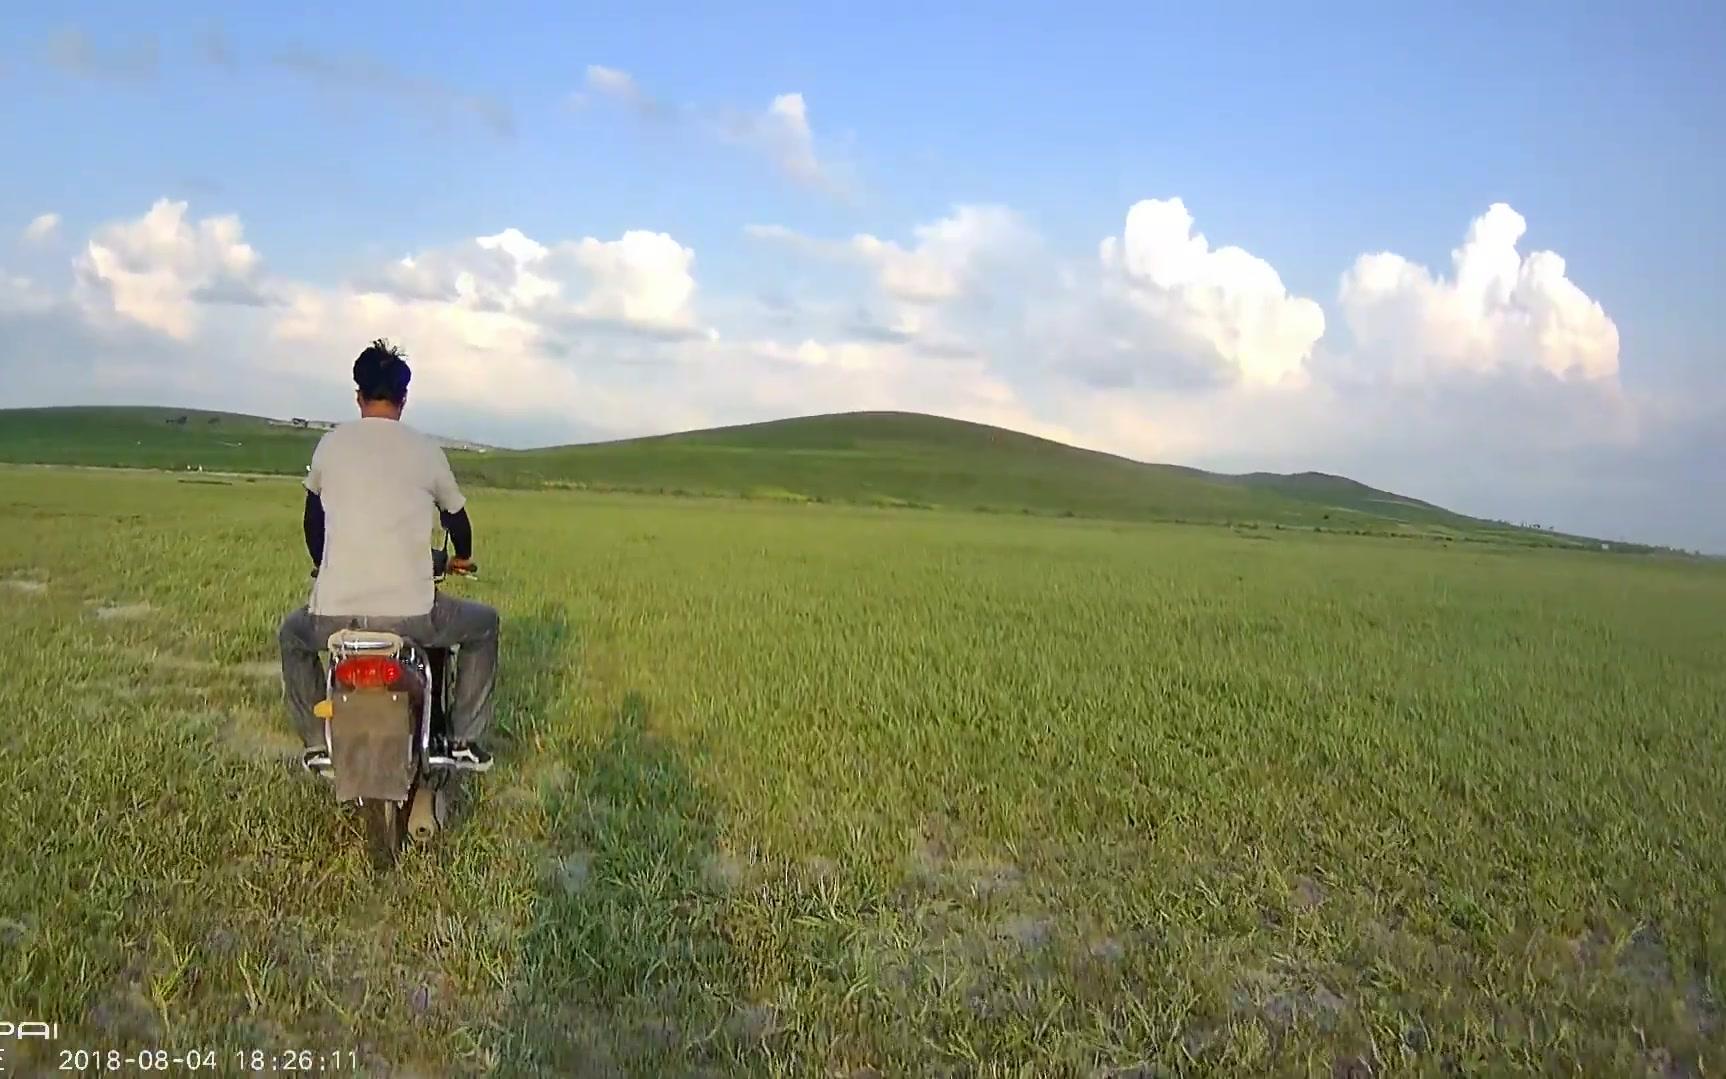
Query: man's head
x=381, y=374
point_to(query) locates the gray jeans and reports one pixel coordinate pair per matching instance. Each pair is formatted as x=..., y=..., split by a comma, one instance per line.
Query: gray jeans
x=470, y=627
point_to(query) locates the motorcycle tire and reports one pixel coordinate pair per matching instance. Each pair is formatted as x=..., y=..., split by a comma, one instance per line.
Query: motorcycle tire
x=386, y=827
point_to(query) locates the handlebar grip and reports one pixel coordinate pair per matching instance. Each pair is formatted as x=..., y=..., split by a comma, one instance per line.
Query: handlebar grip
x=440, y=565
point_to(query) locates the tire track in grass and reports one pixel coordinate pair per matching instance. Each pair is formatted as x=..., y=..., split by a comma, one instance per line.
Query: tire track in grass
x=626, y=968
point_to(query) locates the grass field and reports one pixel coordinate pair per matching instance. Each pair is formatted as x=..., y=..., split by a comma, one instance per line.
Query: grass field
x=870, y=458
x=814, y=790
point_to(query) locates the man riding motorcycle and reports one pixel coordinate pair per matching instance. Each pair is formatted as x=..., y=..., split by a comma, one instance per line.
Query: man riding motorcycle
x=373, y=493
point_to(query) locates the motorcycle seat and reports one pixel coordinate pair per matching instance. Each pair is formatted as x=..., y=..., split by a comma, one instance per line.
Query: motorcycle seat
x=367, y=642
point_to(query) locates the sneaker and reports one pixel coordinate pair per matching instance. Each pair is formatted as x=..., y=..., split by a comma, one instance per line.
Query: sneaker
x=469, y=757
x=317, y=762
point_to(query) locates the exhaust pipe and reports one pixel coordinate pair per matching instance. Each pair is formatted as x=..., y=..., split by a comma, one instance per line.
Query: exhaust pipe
x=422, y=820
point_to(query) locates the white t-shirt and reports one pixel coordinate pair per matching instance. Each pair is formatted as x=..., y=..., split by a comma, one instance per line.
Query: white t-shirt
x=382, y=484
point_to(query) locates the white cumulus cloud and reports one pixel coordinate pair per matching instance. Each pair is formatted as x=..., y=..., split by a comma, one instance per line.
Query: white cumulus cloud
x=925, y=293
x=947, y=256
x=643, y=280
x=1227, y=301
x=156, y=270
x=41, y=228
x=609, y=80
x=1499, y=311
x=619, y=86
x=785, y=134
x=781, y=133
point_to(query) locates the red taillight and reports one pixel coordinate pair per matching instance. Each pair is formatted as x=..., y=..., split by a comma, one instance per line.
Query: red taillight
x=368, y=672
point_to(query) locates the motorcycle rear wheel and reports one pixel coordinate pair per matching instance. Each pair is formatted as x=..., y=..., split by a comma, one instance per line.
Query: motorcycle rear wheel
x=386, y=827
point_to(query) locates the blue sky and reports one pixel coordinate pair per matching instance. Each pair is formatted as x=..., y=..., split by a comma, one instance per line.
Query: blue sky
x=339, y=141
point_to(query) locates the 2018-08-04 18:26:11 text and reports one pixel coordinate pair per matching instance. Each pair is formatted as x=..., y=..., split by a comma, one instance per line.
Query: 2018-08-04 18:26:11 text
x=100, y=1061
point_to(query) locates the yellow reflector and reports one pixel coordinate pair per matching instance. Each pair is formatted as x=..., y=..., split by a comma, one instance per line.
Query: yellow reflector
x=325, y=709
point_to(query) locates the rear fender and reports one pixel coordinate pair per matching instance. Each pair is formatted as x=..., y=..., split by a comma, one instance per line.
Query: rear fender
x=372, y=736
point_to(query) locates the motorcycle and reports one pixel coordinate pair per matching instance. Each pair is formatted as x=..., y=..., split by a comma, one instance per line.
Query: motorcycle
x=387, y=698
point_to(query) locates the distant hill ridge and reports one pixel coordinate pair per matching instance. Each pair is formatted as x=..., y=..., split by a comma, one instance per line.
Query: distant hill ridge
x=878, y=458
x=300, y=423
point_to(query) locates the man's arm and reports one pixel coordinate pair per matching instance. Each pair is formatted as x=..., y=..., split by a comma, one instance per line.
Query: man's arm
x=444, y=489
x=460, y=531
x=312, y=521
x=452, y=510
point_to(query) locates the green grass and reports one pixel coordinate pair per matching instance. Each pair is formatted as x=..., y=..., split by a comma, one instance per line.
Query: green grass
x=875, y=459
x=807, y=790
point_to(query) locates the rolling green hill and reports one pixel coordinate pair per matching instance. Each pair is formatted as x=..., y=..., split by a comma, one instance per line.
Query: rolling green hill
x=161, y=438
x=909, y=459
x=1344, y=494
x=879, y=458
x=894, y=459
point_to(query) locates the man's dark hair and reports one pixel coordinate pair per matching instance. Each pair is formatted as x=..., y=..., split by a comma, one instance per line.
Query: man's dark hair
x=382, y=373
